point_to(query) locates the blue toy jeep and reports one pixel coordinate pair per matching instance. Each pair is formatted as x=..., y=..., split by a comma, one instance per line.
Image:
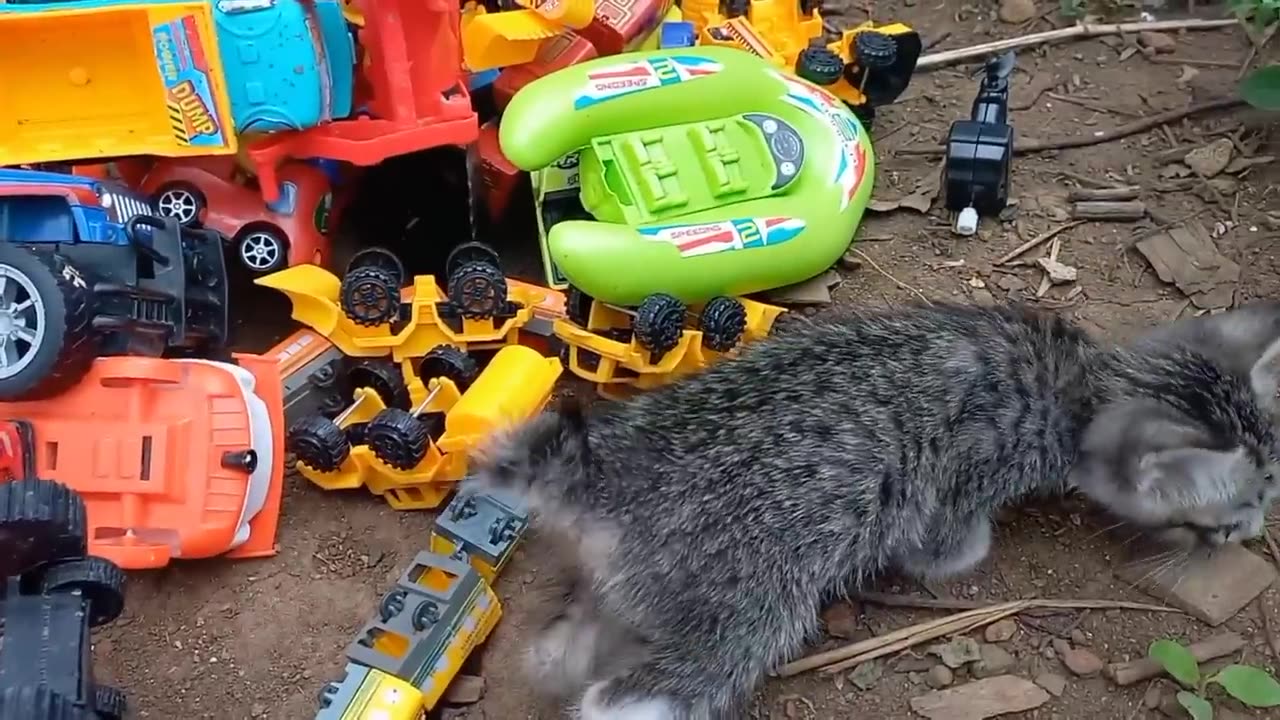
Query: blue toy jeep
x=87, y=269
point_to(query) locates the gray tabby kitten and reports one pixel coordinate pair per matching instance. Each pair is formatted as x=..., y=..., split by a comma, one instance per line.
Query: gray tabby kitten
x=712, y=519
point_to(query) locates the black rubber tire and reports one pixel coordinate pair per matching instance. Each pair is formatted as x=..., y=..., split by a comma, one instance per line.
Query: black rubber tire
x=200, y=202
x=99, y=581
x=469, y=252
x=392, y=604
x=866, y=114
x=450, y=362
x=478, y=290
x=723, y=321
x=819, y=66
x=874, y=50
x=276, y=236
x=659, y=323
x=109, y=702
x=577, y=307
x=382, y=376
x=41, y=521
x=69, y=344
x=40, y=702
x=381, y=258
x=808, y=6
x=398, y=439
x=735, y=8
x=370, y=295
x=426, y=614
x=318, y=443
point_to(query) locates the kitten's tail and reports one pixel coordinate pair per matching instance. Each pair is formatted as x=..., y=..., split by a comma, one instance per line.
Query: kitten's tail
x=543, y=461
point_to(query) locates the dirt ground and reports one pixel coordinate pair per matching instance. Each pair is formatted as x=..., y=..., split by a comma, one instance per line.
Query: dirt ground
x=259, y=639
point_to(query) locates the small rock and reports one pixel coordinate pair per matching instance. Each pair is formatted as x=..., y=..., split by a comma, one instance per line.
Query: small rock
x=1054, y=683
x=866, y=674
x=841, y=620
x=260, y=710
x=1210, y=160
x=1151, y=698
x=1082, y=662
x=1157, y=42
x=464, y=690
x=939, y=676
x=851, y=262
x=1000, y=631
x=912, y=663
x=1170, y=707
x=981, y=699
x=1078, y=637
x=1016, y=12
x=983, y=296
x=915, y=678
x=958, y=652
x=995, y=660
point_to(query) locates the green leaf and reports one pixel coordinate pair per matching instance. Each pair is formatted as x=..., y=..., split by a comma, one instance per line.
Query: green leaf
x=1261, y=88
x=1250, y=685
x=1198, y=707
x=1176, y=660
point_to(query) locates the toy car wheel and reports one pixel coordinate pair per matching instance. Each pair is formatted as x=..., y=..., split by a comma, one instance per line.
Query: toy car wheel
x=110, y=702
x=469, y=252
x=478, y=290
x=659, y=322
x=98, y=580
x=41, y=521
x=577, y=307
x=819, y=65
x=450, y=362
x=723, y=321
x=318, y=443
x=262, y=250
x=425, y=615
x=180, y=201
x=370, y=295
x=398, y=439
x=380, y=258
x=41, y=703
x=874, y=50
x=383, y=376
x=47, y=341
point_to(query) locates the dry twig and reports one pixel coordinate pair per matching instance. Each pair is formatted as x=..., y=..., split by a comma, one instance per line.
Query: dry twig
x=1102, y=136
x=1075, y=32
x=843, y=658
x=892, y=279
x=1036, y=241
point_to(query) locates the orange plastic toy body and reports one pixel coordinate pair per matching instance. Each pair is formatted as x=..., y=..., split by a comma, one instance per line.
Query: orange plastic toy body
x=174, y=458
x=418, y=93
x=512, y=37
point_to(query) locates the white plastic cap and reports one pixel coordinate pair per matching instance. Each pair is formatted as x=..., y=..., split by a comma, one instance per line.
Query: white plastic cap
x=967, y=222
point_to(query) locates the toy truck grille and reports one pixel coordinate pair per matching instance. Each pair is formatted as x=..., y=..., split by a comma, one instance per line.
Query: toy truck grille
x=123, y=207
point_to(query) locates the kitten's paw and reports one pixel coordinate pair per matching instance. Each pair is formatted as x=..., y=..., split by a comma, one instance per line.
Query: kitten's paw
x=562, y=657
x=594, y=707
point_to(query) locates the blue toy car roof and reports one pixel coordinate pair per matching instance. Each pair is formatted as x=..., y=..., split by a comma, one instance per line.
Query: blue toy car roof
x=17, y=175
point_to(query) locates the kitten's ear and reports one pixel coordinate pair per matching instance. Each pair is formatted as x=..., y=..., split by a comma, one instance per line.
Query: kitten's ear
x=1265, y=377
x=1190, y=476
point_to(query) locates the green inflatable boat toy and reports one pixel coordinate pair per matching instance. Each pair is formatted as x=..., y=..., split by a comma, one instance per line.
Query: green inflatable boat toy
x=708, y=173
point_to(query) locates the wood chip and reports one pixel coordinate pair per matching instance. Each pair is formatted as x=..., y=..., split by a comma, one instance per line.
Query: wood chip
x=1187, y=257
x=1128, y=673
x=1058, y=273
x=1109, y=210
x=1212, y=590
x=814, y=291
x=981, y=699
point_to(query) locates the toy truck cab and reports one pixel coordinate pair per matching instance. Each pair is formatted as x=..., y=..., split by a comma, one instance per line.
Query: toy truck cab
x=90, y=270
x=114, y=78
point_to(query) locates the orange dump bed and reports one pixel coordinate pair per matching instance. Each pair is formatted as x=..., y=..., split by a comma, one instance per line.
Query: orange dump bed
x=174, y=458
